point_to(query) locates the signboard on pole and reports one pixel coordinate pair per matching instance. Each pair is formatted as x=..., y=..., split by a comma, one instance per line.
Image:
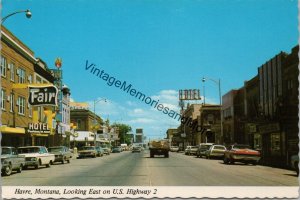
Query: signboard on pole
x=190, y=94
x=43, y=95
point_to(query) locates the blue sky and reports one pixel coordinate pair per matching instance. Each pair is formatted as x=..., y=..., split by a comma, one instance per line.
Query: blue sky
x=159, y=46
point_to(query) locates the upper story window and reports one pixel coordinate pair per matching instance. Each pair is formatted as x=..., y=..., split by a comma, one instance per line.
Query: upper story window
x=21, y=105
x=21, y=75
x=12, y=72
x=3, y=66
x=3, y=99
x=12, y=101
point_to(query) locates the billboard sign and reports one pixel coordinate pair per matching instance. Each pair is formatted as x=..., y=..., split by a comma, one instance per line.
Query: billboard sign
x=190, y=94
x=43, y=95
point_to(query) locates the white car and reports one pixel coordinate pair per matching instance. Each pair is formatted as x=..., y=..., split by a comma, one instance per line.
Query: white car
x=174, y=148
x=36, y=156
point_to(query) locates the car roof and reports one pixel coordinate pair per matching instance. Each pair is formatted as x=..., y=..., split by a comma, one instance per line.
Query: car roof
x=31, y=147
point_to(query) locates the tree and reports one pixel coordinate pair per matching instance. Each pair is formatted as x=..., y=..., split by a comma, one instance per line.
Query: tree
x=123, y=130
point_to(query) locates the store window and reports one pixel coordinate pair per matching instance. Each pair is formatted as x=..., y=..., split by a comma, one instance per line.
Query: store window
x=275, y=143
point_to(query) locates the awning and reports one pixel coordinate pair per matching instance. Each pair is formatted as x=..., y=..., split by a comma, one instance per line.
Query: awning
x=11, y=130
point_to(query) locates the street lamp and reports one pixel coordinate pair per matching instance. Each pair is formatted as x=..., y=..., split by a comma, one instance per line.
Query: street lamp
x=96, y=101
x=218, y=82
x=27, y=13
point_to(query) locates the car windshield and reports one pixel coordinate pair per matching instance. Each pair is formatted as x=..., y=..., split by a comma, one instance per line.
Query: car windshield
x=240, y=146
x=29, y=150
x=219, y=147
x=55, y=149
x=88, y=148
x=5, y=151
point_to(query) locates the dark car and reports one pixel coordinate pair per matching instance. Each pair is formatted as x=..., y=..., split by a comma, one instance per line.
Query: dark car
x=202, y=148
x=10, y=160
x=106, y=150
x=62, y=154
x=100, y=151
x=116, y=150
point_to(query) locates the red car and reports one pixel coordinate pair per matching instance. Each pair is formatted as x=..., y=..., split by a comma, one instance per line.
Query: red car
x=241, y=153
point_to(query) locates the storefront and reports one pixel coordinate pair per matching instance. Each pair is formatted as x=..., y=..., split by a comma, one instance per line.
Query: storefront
x=14, y=137
x=272, y=141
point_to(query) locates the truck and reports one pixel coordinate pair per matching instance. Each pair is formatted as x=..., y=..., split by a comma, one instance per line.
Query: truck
x=159, y=147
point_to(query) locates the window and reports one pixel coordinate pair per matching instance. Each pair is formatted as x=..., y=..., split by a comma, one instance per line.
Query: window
x=12, y=102
x=3, y=99
x=30, y=110
x=30, y=78
x=21, y=105
x=3, y=66
x=21, y=75
x=78, y=123
x=12, y=72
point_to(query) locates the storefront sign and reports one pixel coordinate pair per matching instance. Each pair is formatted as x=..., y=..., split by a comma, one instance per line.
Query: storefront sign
x=42, y=95
x=79, y=106
x=269, y=128
x=38, y=128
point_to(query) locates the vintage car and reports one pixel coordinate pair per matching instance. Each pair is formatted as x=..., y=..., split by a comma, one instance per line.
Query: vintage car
x=87, y=151
x=62, y=154
x=106, y=150
x=215, y=151
x=116, y=150
x=241, y=153
x=294, y=163
x=100, y=151
x=202, y=148
x=191, y=150
x=174, y=148
x=10, y=160
x=36, y=156
x=136, y=149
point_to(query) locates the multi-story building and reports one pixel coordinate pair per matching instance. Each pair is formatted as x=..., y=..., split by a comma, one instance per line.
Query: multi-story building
x=19, y=69
x=210, y=124
x=171, y=132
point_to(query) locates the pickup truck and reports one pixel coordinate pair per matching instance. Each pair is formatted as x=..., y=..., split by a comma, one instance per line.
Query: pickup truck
x=159, y=147
x=36, y=156
x=10, y=160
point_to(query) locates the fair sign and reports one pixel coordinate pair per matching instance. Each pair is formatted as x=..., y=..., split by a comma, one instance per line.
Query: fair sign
x=43, y=95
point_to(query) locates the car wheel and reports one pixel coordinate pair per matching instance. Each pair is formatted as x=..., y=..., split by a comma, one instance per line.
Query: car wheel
x=225, y=160
x=48, y=165
x=51, y=162
x=68, y=160
x=19, y=170
x=37, y=165
x=63, y=161
x=232, y=161
x=7, y=171
x=254, y=163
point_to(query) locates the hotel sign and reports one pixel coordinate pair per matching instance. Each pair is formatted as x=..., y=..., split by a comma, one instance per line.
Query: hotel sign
x=42, y=95
x=38, y=128
x=190, y=94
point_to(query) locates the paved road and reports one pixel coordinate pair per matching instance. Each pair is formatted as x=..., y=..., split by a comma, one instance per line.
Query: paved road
x=137, y=169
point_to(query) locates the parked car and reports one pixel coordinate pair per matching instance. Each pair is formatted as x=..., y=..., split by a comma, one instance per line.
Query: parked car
x=190, y=150
x=87, y=151
x=116, y=150
x=62, y=154
x=136, y=149
x=294, y=163
x=174, y=148
x=36, y=156
x=106, y=150
x=202, y=148
x=215, y=151
x=100, y=151
x=11, y=160
x=241, y=153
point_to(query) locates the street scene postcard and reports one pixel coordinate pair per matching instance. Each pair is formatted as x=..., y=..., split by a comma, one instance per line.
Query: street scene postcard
x=143, y=99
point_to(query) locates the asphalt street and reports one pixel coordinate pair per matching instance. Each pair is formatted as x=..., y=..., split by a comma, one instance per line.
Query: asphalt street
x=138, y=169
